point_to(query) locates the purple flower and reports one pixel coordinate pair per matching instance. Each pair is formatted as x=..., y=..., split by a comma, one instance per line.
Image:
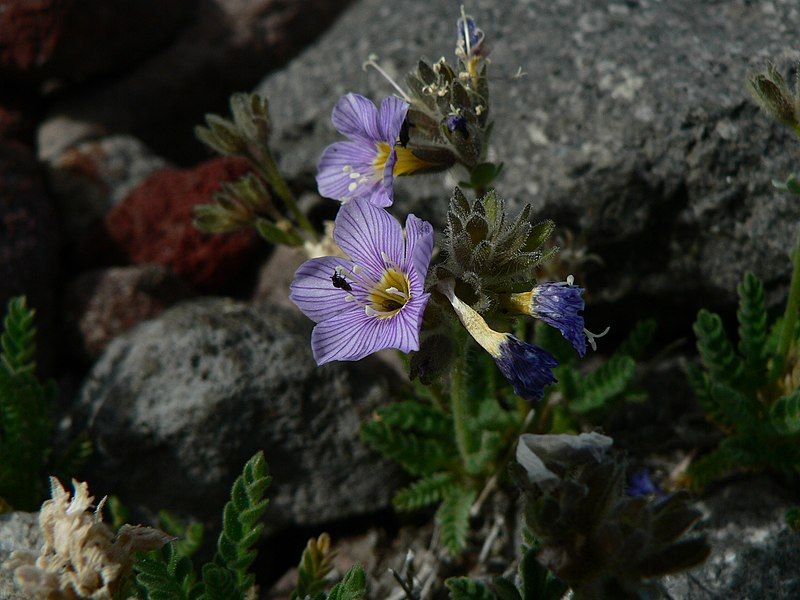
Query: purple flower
x=641, y=483
x=365, y=166
x=527, y=367
x=456, y=123
x=376, y=298
x=558, y=305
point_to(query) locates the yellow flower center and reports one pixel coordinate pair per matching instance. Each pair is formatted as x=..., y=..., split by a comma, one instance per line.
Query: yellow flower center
x=390, y=294
x=406, y=162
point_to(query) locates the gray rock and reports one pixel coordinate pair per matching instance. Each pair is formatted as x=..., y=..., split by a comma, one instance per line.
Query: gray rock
x=754, y=554
x=90, y=177
x=225, y=47
x=18, y=531
x=632, y=127
x=176, y=406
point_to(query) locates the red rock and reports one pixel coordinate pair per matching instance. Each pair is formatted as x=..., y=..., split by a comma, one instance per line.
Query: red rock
x=154, y=224
x=74, y=39
x=100, y=305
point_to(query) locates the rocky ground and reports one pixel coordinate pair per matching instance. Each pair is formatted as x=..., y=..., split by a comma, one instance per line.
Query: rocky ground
x=179, y=353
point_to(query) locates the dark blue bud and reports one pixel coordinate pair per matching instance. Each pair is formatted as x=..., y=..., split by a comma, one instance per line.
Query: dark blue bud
x=527, y=367
x=456, y=123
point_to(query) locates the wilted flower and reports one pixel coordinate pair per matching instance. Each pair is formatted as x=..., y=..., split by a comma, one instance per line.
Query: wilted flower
x=366, y=165
x=376, y=298
x=470, y=38
x=558, y=305
x=81, y=557
x=527, y=367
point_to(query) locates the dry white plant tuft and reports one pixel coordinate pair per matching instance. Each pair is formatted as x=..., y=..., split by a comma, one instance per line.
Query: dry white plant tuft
x=81, y=557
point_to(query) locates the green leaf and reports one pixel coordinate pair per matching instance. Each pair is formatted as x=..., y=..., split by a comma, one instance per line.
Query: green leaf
x=275, y=235
x=752, y=316
x=785, y=414
x=18, y=340
x=793, y=518
x=220, y=584
x=419, y=454
x=463, y=588
x=190, y=534
x=638, y=339
x=240, y=514
x=605, y=384
x=453, y=519
x=504, y=589
x=715, y=349
x=162, y=575
x=315, y=565
x=352, y=587
x=423, y=492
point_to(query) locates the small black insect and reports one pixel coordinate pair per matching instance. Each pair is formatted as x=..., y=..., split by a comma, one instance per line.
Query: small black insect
x=405, y=132
x=340, y=282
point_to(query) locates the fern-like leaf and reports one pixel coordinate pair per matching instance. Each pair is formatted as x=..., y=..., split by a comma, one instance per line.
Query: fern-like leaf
x=716, y=350
x=190, y=535
x=315, y=566
x=18, y=341
x=606, y=383
x=453, y=519
x=752, y=316
x=352, y=587
x=241, y=526
x=463, y=588
x=423, y=492
x=638, y=339
x=419, y=455
x=785, y=414
x=164, y=575
x=219, y=583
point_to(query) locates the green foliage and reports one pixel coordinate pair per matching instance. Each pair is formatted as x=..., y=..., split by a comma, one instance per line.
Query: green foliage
x=352, y=587
x=26, y=430
x=588, y=397
x=462, y=588
x=168, y=573
x=793, y=518
x=748, y=391
x=315, y=566
x=453, y=519
x=251, y=201
x=190, y=535
x=416, y=436
x=424, y=492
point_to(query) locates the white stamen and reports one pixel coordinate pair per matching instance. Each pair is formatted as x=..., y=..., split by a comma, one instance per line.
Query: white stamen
x=357, y=269
x=352, y=187
x=591, y=337
x=570, y=279
x=347, y=168
x=349, y=298
x=355, y=175
x=393, y=290
x=372, y=62
x=466, y=30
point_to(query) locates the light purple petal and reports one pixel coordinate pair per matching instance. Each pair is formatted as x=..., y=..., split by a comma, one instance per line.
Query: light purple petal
x=333, y=180
x=356, y=117
x=351, y=335
x=364, y=232
x=380, y=196
x=390, y=118
x=419, y=245
x=313, y=291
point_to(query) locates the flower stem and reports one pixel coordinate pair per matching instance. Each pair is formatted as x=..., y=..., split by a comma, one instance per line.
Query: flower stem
x=268, y=168
x=792, y=308
x=458, y=399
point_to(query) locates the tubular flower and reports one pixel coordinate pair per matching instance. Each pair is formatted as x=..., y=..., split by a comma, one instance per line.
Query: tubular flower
x=366, y=165
x=374, y=298
x=558, y=305
x=527, y=367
